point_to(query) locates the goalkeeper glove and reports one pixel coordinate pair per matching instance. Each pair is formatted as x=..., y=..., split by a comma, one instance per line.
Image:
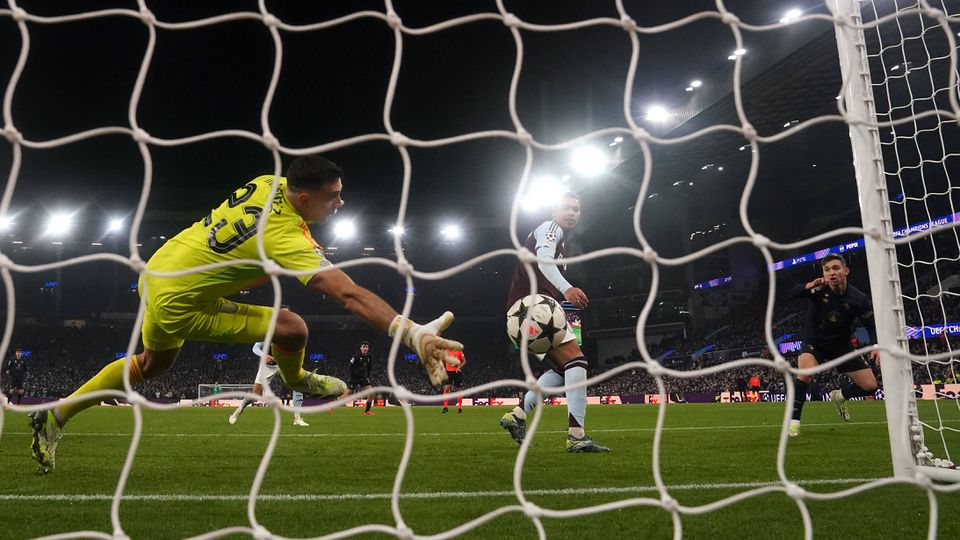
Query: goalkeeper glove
x=426, y=342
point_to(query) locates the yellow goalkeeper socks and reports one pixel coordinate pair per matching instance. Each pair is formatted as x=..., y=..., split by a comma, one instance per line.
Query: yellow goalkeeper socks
x=290, y=363
x=109, y=378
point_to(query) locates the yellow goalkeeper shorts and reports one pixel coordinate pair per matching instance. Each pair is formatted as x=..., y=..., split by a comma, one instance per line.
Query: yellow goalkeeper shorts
x=222, y=321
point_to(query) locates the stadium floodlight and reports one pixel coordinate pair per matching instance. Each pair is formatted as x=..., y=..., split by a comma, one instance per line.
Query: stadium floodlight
x=657, y=114
x=740, y=52
x=6, y=224
x=543, y=192
x=589, y=161
x=450, y=232
x=345, y=229
x=791, y=15
x=396, y=230
x=59, y=223
x=696, y=83
x=114, y=225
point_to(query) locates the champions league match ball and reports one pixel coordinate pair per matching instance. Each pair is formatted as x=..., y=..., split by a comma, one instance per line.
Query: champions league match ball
x=546, y=328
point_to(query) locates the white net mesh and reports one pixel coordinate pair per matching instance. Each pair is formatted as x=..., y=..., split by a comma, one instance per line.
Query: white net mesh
x=917, y=180
x=912, y=65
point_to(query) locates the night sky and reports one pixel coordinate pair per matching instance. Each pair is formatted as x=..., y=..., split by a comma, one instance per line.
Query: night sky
x=332, y=86
x=333, y=83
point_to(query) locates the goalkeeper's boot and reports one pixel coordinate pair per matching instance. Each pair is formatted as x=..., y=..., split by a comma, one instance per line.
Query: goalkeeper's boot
x=299, y=422
x=517, y=427
x=836, y=396
x=318, y=385
x=46, y=435
x=583, y=445
x=794, y=429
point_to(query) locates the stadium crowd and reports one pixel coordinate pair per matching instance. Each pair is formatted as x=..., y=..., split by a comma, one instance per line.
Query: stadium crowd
x=63, y=354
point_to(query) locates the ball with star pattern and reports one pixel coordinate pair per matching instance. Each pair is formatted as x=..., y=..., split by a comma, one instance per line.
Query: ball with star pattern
x=547, y=325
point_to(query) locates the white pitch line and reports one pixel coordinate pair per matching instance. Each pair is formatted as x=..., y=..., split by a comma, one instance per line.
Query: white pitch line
x=457, y=433
x=423, y=495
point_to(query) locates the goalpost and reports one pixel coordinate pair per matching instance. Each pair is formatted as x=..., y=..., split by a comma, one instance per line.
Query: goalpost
x=883, y=120
x=206, y=389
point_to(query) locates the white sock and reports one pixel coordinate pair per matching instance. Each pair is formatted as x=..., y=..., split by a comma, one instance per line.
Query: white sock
x=297, y=403
x=246, y=403
x=549, y=378
x=576, y=372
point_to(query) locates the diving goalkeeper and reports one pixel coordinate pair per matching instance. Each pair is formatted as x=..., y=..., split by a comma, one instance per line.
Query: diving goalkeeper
x=193, y=306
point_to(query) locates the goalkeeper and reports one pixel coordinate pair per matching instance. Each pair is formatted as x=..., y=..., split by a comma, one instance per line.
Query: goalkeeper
x=193, y=306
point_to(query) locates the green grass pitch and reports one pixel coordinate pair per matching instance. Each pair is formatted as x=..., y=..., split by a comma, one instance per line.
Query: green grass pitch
x=193, y=472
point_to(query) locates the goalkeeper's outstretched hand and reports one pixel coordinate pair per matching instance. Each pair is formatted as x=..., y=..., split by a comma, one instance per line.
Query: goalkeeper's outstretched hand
x=430, y=347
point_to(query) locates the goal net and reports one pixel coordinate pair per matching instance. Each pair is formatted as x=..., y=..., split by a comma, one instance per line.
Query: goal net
x=899, y=99
x=910, y=73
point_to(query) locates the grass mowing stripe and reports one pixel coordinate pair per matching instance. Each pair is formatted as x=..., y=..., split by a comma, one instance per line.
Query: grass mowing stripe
x=427, y=495
x=456, y=433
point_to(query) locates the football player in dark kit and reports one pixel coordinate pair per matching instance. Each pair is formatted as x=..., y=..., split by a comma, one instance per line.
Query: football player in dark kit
x=832, y=308
x=360, y=373
x=15, y=373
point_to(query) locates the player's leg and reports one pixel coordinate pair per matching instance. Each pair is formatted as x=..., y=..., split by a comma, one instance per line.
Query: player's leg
x=146, y=365
x=263, y=376
x=864, y=383
x=48, y=425
x=458, y=385
x=569, y=359
x=370, y=399
x=297, y=403
x=446, y=390
x=801, y=383
x=515, y=421
x=231, y=322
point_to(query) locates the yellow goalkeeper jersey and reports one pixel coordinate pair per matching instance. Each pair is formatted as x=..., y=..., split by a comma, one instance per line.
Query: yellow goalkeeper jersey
x=229, y=234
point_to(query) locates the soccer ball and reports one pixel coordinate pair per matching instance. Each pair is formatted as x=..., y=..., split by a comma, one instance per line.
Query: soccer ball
x=547, y=326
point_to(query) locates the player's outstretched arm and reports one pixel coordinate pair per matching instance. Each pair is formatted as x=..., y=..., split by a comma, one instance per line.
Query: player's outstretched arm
x=424, y=340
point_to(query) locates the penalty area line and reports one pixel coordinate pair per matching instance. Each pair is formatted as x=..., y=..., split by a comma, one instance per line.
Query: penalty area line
x=173, y=497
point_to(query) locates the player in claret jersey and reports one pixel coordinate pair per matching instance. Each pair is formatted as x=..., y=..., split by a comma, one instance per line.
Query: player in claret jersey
x=832, y=308
x=567, y=364
x=194, y=305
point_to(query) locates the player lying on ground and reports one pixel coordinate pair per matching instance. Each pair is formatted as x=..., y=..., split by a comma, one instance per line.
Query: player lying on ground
x=567, y=364
x=265, y=374
x=832, y=308
x=194, y=306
